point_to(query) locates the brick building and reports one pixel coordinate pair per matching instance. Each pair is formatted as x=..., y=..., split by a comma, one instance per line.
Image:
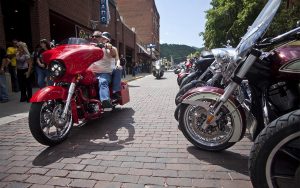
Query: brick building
x=144, y=17
x=32, y=20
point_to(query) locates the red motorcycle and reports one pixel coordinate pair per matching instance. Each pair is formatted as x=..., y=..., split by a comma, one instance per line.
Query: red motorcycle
x=74, y=97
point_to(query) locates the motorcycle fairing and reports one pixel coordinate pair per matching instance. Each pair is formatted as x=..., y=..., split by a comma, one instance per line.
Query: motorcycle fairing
x=50, y=93
x=194, y=95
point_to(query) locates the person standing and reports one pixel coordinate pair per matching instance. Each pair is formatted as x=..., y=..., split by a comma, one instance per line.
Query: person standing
x=3, y=87
x=11, y=55
x=24, y=67
x=40, y=66
x=123, y=64
x=133, y=69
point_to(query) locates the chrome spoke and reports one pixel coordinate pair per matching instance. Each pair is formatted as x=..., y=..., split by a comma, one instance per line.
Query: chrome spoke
x=290, y=154
x=285, y=177
x=47, y=130
x=51, y=123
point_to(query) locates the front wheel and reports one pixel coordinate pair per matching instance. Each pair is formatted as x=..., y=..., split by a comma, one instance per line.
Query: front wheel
x=216, y=137
x=46, y=124
x=275, y=156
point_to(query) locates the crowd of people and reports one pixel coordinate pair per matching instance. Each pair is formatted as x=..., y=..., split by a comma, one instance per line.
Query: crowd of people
x=23, y=67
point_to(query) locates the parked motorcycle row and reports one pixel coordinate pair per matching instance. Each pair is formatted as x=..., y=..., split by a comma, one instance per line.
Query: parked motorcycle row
x=253, y=88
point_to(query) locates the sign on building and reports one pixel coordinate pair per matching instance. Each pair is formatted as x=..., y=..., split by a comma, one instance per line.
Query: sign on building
x=104, y=12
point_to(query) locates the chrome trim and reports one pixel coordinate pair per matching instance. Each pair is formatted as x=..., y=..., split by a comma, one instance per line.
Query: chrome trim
x=70, y=94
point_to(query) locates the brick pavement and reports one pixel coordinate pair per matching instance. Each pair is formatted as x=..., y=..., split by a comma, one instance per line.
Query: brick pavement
x=136, y=146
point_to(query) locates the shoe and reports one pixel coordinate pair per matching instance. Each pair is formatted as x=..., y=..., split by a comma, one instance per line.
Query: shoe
x=106, y=105
x=116, y=96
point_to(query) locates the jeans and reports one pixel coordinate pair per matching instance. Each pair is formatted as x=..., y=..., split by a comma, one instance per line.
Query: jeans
x=41, y=75
x=104, y=81
x=116, y=80
x=3, y=88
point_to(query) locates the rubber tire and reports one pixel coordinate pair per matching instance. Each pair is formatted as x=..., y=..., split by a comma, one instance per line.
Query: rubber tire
x=187, y=87
x=177, y=111
x=35, y=128
x=200, y=146
x=186, y=80
x=270, y=136
x=179, y=80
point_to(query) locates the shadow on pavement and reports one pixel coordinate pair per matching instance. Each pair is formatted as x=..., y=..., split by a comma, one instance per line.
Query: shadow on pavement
x=226, y=159
x=109, y=133
x=163, y=78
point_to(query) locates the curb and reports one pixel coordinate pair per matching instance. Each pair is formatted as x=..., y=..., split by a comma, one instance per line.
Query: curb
x=136, y=78
x=12, y=118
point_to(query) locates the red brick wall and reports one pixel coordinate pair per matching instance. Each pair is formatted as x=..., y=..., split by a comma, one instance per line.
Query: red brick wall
x=81, y=12
x=140, y=14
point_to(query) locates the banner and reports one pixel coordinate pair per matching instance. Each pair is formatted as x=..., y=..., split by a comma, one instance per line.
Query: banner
x=104, y=12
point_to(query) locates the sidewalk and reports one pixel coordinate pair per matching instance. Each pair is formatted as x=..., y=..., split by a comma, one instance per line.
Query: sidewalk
x=14, y=110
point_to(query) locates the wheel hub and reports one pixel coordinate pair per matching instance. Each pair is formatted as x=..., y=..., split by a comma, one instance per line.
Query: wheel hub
x=59, y=122
x=214, y=130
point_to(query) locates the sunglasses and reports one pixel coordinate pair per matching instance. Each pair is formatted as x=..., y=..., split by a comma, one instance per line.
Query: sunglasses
x=96, y=36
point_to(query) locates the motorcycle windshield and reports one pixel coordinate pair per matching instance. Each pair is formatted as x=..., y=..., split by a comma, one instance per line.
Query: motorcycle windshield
x=72, y=40
x=258, y=28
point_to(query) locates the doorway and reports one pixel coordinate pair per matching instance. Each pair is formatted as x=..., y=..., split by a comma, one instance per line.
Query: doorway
x=16, y=18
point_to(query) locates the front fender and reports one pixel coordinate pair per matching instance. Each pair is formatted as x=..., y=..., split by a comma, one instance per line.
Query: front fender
x=50, y=93
x=214, y=93
x=190, y=77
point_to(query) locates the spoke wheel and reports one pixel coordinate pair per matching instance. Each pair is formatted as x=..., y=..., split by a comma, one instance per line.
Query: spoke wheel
x=283, y=164
x=274, y=160
x=216, y=137
x=46, y=123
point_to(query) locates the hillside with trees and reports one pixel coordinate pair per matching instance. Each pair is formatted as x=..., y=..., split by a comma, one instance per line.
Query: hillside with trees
x=177, y=51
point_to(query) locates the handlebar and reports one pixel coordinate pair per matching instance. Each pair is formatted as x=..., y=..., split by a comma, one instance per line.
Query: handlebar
x=290, y=35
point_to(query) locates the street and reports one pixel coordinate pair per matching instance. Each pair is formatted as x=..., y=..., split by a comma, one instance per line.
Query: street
x=138, y=145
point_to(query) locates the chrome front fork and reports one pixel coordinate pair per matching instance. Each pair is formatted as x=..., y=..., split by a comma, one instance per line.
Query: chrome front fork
x=70, y=94
x=213, y=111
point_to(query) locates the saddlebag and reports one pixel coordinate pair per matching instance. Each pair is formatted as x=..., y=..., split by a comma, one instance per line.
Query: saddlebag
x=124, y=93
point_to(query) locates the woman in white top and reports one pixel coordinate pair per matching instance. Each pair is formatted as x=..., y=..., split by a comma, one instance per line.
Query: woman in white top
x=24, y=67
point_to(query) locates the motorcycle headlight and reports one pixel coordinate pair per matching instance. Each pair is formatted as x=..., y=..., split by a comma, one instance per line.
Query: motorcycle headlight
x=223, y=55
x=57, y=69
x=157, y=67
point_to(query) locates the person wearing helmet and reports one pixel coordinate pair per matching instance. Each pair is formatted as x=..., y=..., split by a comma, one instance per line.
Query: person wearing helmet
x=107, y=69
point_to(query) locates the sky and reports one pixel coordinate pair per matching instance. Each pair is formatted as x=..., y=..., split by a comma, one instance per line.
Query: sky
x=181, y=21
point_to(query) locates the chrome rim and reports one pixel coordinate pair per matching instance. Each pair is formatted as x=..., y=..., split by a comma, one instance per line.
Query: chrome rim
x=217, y=134
x=283, y=163
x=52, y=124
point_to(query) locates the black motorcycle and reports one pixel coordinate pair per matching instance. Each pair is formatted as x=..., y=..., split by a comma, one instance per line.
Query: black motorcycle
x=158, y=69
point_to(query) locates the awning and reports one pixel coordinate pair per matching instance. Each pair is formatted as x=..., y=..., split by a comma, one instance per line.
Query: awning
x=143, y=49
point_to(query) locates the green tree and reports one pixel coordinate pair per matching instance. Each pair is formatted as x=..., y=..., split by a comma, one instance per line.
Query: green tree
x=229, y=20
